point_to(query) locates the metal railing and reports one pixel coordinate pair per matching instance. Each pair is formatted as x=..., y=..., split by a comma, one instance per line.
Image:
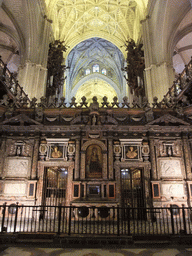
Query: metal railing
x=182, y=82
x=12, y=86
x=103, y=220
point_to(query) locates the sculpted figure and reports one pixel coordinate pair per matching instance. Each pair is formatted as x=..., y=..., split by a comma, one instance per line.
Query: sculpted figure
x=131, y=153
x=56, y=153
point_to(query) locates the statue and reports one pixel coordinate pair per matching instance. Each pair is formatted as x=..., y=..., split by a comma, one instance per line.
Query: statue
x=94, y=106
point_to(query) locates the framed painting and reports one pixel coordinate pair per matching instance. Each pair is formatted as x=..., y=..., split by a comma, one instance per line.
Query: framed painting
x=94, y=162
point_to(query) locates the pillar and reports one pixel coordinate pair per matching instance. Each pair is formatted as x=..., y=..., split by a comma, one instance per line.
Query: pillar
x=187, y=157
x=35, y=158
x=3, y=155
x=77, y=160
x=153, y=159
x=32, y=75
x=110, y=159
x=158, y=76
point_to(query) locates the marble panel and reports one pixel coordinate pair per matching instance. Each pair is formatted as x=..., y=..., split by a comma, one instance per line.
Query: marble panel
x=170, y=168
x=173, y=190
x=17, y=167
x=15, y=188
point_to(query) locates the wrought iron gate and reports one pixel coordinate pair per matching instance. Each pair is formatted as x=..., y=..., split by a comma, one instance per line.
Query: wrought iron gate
x=55, y=185
x=132, y=191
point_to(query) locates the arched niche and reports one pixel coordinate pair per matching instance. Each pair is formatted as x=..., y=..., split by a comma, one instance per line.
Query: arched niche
x=86, y=152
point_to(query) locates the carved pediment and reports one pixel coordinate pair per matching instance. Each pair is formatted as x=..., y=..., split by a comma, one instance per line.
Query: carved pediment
x=21, y=120
x=167, y=120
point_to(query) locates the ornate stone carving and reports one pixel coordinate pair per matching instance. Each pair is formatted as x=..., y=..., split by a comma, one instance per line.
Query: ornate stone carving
x=94, y=106
x=117, y=150
x=11, y=148
x=145, y=151
x=39, y=114
x=71, y=150
x=43, y=150
x=170, y=168
x=169, y=148
x=27, y=148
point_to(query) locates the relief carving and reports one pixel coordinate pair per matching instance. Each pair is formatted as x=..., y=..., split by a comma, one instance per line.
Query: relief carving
x=170, y=168
x=19, y=148
x=27, y=148
x=11, y=148
x=168, y=148
x=173, y=190
x=17, y=167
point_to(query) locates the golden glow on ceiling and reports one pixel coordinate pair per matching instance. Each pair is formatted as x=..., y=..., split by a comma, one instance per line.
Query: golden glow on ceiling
x=113, y=20
x=95, y=87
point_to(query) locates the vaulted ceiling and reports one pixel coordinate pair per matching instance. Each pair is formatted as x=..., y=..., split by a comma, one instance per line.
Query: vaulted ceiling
x=22, y=27
x=113, y=20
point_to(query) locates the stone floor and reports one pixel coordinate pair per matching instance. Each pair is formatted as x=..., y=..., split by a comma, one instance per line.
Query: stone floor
x=35, y=251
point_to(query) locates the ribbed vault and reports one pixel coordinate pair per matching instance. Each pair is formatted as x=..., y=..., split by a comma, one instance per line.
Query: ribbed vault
x=95, y=69
x=113, y=20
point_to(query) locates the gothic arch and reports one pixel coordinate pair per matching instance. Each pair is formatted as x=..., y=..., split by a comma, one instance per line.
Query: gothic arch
x=92, y=76
x=177, y=37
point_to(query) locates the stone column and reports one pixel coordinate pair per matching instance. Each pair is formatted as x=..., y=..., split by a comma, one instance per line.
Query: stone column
x=82, y=170
x=148, y=57
x=32, y=75
x=147, y=184
x=159, y=76
x=35, y=158
x=118, y=181
x=153, y=159
x=77, y=160
x=69, y=189
x=2, y=155
x=110, y=159
x=104, y=171
x=187, y=157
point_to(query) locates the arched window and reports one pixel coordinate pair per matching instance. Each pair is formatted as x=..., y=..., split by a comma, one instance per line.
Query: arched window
x=95, y=68
x=87, y=71
x=104, y=71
